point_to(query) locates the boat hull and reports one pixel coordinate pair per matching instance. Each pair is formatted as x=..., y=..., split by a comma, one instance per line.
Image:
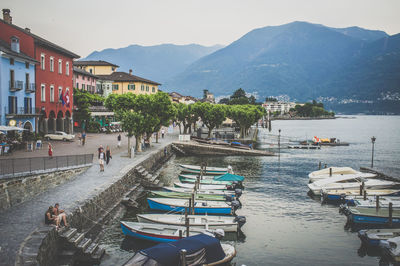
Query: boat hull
x=178, y=195
x=204, y=181
x=197, y=210
x=128, y=231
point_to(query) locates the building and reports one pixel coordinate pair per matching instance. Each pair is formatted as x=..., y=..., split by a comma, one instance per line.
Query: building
x=17, y=83
x=208, y=97
x=85, y=81
x=178, y=98
x=98, y=67
x=278, y=106
x=53, y=76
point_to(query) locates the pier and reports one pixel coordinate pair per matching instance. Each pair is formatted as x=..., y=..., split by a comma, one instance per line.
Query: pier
x=385, y=174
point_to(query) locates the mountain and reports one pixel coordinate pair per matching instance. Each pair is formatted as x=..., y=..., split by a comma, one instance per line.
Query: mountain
x=158, y=62
x=299, y=59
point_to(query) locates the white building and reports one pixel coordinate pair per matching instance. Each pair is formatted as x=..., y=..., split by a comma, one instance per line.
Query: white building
x=282, y=107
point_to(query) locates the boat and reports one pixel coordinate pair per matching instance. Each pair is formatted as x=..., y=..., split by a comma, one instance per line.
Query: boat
x=227, y=223
x=372, y=237
x=372, y=216
x=371, y=203
x=348, y=182
x=204, y=181
x=391, y=247
x=158, y=232
x=201, y=187
x=208, y=170
x=200, y=206
x=239, y=145
x=347, y=195
x=198, y=196
x=201, y=191
x=224, y=177
x=336, y=171
x=200, y=249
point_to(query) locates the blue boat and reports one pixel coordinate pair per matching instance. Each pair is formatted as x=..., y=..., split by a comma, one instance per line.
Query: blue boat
x=202, y=249
x=373, y=237
x=371, y=216
x=200, y=206
x=345, y=196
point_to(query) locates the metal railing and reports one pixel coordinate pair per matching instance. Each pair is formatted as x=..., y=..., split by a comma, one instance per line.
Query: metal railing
x=30, y=87
x=16, y=85
x=36, y=165
x=22, y=111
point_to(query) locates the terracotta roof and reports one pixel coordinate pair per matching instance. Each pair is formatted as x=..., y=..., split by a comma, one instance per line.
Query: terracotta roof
x=44, y=42
x=123, y=76
x=84, y=72
x=93, y=63
x=5, y=47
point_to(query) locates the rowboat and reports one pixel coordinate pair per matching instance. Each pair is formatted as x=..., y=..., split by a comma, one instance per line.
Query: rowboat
x=200, y=206
x=372, y=237
x=158, y=232
x=201, y=191
x=179, y=195
x=348, y=182
x=204, y=181
x=209, y=170
x=200, y=249
x=227, y=223
x=202, y=187
x=347, y=195
x=371, y=203
x=224, y=177
x=336, y=171
x=391, y=247
x=368, y=216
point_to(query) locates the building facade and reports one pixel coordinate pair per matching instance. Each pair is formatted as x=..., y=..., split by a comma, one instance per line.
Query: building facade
x=277, y=106
x=17, y=83
x=85, y=81
x=98, y=67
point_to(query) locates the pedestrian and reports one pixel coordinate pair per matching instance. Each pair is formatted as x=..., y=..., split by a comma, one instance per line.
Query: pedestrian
x=162, y=133
x=108, y=154
x=83, y=138
x=119, y=141
x=80, y=139
x=101, y=158
x=50, y=151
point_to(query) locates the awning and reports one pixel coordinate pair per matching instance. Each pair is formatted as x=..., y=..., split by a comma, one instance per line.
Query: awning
x=10, y=128
x=102, y=113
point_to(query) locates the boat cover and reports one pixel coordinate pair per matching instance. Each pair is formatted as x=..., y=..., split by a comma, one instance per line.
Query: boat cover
x=229, y=177
x=200, y=249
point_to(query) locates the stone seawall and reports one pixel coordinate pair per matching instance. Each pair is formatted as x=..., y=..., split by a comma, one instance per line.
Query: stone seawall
x=16, y=190
x=91, y=212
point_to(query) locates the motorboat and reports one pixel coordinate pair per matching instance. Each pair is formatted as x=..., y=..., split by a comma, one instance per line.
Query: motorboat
x=201, y=186
x=208, y=170
x=336, y=171
x=347, y=195
x=372, y=216
x=200, y=191
x=224, y=177
x=372, y=237
x=391, y=247
x=197, y=196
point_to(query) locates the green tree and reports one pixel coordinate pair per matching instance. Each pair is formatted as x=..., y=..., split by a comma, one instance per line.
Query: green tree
x=83, y=100
x=134, y=124
x=212, y=115
x=161, y=110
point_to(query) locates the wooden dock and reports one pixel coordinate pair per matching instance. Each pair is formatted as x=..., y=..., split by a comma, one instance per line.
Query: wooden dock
x=385, y=174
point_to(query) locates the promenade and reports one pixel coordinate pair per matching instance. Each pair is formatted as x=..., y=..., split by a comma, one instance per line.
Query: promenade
x=19, y=221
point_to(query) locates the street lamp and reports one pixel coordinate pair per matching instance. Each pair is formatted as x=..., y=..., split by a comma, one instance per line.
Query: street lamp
x=373, y=144
x=279, y=142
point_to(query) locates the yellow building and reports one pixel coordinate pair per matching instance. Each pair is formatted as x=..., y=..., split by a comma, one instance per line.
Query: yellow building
x=96, y=67
x=124, y=83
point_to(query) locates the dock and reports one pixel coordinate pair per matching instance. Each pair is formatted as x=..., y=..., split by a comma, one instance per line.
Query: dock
x=195, y=148
x=386, y=174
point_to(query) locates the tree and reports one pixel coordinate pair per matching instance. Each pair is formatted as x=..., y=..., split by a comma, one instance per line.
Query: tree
x=180, y=115
x=212, y=115
x=161, y=110
x=135, y=125
x=245, y=116
x=83, y=100
x=224, y=101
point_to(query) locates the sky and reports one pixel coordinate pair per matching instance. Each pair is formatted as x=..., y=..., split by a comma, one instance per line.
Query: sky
x=88, y=25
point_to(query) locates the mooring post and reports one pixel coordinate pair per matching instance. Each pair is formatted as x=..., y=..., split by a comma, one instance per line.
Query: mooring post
x=180, y=234
x=377, y=202
x=187, y=226
x=361, y=189
x=390, y=213
x=182, y=254
x=319, y=166
x=365, y=194
x=192, y=203
x=330, y=171
x=326, y=166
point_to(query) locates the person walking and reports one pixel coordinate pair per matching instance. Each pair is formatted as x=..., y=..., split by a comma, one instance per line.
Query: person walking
x=102, y=156
x=83, y=138
x=50, y=151
x=108, y=154
x=119, y=141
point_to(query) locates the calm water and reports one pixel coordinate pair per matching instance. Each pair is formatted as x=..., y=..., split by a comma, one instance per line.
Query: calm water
x=284, y=226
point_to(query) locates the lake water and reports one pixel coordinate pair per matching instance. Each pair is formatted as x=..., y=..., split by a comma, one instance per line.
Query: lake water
x=284, y=225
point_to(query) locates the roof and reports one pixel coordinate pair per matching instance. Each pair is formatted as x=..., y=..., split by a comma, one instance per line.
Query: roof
x=93, y=63
x=43, y=42
x=123, y=76
x=84, y=72
x=5, y=47
x=175, y=94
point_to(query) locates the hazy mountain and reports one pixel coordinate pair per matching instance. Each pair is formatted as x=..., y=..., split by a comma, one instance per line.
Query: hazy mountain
x=300, y=59
x=158, y=62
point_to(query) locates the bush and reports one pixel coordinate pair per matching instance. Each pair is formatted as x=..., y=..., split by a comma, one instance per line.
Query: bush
x=93, y=127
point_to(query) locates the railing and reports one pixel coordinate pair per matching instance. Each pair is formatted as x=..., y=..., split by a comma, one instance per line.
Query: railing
x=30, y=87
x=16, y=85
x=23, y=111
x=37, y=165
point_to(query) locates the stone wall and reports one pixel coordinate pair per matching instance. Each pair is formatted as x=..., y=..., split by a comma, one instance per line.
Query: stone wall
x=16, y=190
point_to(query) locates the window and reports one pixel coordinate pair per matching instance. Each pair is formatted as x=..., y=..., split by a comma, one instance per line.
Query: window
x=27, y=81
x=142, y=87
x=42, y=61
x=115, y=87
x=51, y=64
x=67, y=68
x=12, y=104
x=27, y=65
x=112, y=68
x=77, y=85
x=52, y=93
x=90, y=70
x=43, y=93
x=131, y=87
x=12, y=79
x=28, y=105
x=108, y=86
x=83, y=87
x=60, y=94
x=153, y=89
x=147, y=87
x=11, y=61
x=59, y=66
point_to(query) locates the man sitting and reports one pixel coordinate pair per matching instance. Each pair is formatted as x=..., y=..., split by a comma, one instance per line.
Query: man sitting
x=60, y=214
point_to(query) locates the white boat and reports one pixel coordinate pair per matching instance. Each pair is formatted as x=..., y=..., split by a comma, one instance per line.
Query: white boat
x=347, y=182
x=336, y=171
x=371, y=202
x=210, y=177
x=202, y=187
x=209, y=170
x=227, y=223
x=391, y=246
x=201, y=191
x=372, y=237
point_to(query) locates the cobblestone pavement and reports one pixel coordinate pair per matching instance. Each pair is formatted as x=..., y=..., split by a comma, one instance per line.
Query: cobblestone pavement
x=19, y=221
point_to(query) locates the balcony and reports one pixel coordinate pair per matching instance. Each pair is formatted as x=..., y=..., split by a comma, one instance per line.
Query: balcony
x=30, y=87
x=21, y=112
x=16, y=85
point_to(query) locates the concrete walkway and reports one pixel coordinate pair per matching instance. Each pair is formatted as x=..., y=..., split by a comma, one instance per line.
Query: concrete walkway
x=19, y=221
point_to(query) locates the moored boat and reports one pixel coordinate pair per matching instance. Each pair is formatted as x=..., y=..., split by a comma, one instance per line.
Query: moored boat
x=372, y=216
x=336, y=171
x=204, y=181
x=227, y=223
x=391, y=247
x=201, y=187
x=200, y=191
x=347, y=195
x=200, y=207
x=224, y=177
x=202, y=249
x=208, y=170
x=372, y=237
x=197, y=196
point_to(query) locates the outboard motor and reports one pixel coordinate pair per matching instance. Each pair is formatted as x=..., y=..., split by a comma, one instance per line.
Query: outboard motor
x=235, y=205
x=230, y=170
x=241, y=220
x=219, y=234
x=229, y=198
x=238, y=193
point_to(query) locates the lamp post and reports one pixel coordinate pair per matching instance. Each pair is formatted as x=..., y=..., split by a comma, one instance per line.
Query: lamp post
x=279, y=142
x=373, y=145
